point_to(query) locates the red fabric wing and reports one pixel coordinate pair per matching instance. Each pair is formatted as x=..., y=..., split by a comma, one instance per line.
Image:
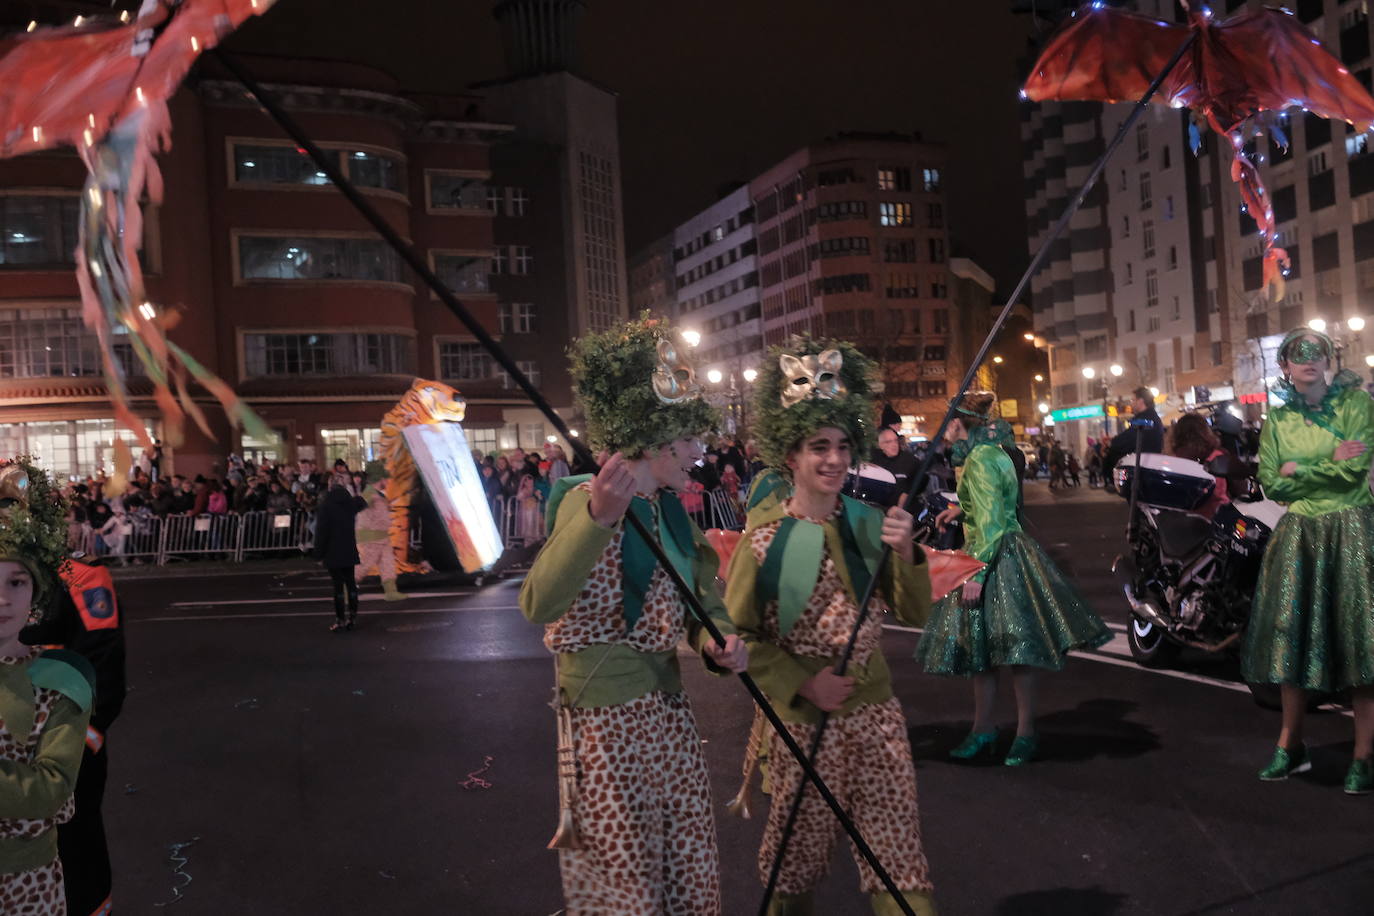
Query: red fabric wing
x=60, y=80
x=1266, y=59
x=1104, y=55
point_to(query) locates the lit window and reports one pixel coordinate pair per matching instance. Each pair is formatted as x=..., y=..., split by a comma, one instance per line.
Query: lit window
x=930, y=179
x=894, y=214
x=317, y=258
x=38, y=230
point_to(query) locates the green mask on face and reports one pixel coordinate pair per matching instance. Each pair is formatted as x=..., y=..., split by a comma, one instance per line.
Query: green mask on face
x=1306, y=351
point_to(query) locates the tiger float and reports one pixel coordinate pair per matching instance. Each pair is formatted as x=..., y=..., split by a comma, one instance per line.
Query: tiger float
x=425, y=402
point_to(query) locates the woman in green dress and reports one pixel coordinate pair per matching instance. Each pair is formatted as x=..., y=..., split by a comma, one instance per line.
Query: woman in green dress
x=1312, y=627
x=1019, y=612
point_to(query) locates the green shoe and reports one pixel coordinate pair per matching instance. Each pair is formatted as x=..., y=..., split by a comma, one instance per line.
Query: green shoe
x=975, y=744
x=1285, y=764
x=1359, y=779
x=1023, y=750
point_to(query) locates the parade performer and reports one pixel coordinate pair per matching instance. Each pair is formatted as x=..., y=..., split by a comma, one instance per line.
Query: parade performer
x=793, y=590
x=86, y=620
x=1312, y=627
x=45, y=697
x=637, y=835
x=377, y=556
x=1019, y=611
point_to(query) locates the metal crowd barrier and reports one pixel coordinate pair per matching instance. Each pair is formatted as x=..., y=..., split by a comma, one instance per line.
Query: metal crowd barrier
x=718, y=510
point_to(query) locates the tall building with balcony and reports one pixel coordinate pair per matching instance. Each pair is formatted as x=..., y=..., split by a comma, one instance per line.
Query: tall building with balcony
x=852, y=243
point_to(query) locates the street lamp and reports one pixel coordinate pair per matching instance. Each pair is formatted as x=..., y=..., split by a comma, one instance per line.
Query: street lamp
x=1039, y=377
x=1117, y=370
x=750, y=375
x=1089, y=372
x=1029, y=336
x=1044, y=408
x=1154, y=392
x=713, y=376
x=997, y=359
x=1317, y=325
x=691, y=338
x=1355, y=324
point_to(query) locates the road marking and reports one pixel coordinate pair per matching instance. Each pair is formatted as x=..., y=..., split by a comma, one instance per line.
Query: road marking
x=379, y=613
x=1125, y=661
x=286, y=600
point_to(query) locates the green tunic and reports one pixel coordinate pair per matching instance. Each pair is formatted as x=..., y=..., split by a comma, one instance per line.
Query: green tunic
x=780, y=673
x=559, y=583
x=36, y=789
x=1300, y=432
x=1312, y=623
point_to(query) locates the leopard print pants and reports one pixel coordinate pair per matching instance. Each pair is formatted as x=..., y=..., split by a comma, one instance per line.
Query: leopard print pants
x=865, y=759
x=643, y=812
x=36, y=892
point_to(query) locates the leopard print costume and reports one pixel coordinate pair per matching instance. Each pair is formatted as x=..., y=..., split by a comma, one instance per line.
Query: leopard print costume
x=37, y=891
x=865, y=756
x=643, y=796
x=425, y=402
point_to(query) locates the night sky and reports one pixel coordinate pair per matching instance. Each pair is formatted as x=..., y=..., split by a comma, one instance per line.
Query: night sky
x=717, y=90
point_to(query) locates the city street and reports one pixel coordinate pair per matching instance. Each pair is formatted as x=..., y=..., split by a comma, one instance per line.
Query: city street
x=408, y=767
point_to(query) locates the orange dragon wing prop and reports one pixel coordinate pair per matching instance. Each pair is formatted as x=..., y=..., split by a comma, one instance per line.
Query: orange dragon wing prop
x=103, y=87
x=1238, y=77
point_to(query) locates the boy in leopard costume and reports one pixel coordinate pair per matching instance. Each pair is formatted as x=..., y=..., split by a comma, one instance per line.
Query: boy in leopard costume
x=793, y=590
x=45, y=697
x=613, y=620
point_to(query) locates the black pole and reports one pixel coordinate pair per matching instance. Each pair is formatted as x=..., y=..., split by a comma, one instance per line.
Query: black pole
x=918, y=480
x=417, y=263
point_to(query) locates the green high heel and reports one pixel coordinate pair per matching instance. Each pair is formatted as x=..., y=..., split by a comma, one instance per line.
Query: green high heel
x=975, y=744
x=1023, y=750
x=1359, y=779
x=1286, y=763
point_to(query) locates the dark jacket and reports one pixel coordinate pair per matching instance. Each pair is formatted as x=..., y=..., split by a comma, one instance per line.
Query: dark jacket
x=335, y=542
x=97, y=634
x=902, y=466
x=1148, y=426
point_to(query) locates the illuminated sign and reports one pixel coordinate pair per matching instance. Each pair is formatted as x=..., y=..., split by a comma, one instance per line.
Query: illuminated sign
x=444, y=458
x=1084, y=412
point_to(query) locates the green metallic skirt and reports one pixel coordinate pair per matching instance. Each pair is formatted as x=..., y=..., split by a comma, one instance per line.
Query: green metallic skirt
x=1313, y=619
x=1029, y=615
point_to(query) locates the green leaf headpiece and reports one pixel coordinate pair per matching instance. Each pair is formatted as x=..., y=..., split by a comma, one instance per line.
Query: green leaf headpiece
x=637, y=388
x=809, y=385
x=33, y=526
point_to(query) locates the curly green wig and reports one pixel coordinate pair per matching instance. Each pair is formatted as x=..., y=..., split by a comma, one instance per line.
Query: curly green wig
x=811, y=384
x=33, y=527
x=636, y=388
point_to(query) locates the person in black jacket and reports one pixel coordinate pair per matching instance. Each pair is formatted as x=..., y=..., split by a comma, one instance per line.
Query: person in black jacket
x=1145, y=422
x=86, y=621
x=337, y=546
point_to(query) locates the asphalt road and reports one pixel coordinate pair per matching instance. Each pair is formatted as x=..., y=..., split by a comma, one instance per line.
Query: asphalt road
x=408, y=767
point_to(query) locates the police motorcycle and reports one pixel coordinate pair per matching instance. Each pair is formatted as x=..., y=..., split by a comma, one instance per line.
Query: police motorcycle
x=1189, y=580
x=878, y=487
